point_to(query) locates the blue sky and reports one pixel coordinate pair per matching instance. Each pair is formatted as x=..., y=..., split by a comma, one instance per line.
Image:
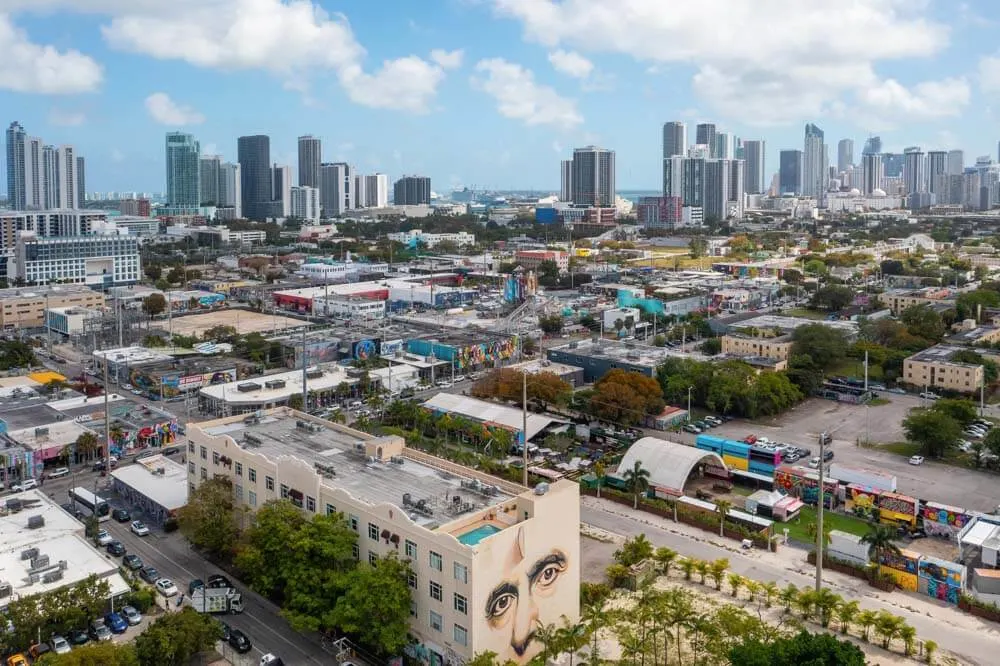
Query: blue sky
x=492, y=93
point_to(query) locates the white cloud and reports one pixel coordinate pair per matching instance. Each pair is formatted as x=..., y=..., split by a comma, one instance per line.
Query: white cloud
x=66, y=118
x=821, y=58
x=26, y=67
x=520, y=97
x=168, y=112
x=294, y=40
x=571, y=63
x=989, y=74
x=448, y=59
x=929, y=99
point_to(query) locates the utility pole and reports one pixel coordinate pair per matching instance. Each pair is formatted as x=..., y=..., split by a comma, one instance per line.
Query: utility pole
x=524, y=424
x=819, y=514
x=866, y=371
x=48, y=325
x=107, y=419
x=305, y=365
x=689, y=403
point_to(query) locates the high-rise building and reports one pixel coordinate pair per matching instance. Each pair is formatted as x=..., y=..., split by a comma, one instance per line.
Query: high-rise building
x=305, y=203
x=789, y=172
x=254, y=156
x=281, y=190
x=183, y=170
x=674, y=138
x=937, y=166
x=737, y=188
x=230, y=188
x=845, y=154
x=723, y=148
x=717, y=188
x=16, y=177
x=310, y=157
x=871, y=164
x=892, y=165
x=566, y=180
x=693, y=181
x=956, y=162
x=673, y=176
x=594, y=177
x=34, y=173
x=336, y=183
x=411, y=191
x=81, y=182
x=705, y=136
x=813, y=163
x=873, y=146
x=211, y=166
x=914, y=170
x=371, y=191
x=66, y=181
x=753, y=158
x=50, y=178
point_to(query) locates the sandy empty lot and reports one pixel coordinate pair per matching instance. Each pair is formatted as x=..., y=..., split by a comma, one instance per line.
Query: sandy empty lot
x=244, y=321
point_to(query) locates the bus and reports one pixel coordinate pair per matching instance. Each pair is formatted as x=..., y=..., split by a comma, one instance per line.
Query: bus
x=97, y=506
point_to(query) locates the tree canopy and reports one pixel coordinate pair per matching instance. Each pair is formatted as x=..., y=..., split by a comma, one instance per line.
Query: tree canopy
x=101, y=653
x=626, y=397
x=176, y=637
x=826, y=346
x=154, y=304
x=832, y=297
x=803, y=649
x=208, y=520
x=934, y=431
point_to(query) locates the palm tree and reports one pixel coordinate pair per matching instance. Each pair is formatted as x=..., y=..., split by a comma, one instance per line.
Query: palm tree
x=599, y=474
x=702, y=567
x=806, y=603
x=717, y=570
x=826, y=602
x=811, y=531
x=788, y=596
x=888, y=626
x=909, y=636
x=846, y=612
x=880, y=542
x=866, y=619
x=594, y=619
x=678, y=610
x=723, y=507
x=753, y=589
x=665, y=557
x=637, y=482
x=572, y=637
x=930, y=647
x=87, y=444
x=688, y=565
x=736, y=581
x=770, y=592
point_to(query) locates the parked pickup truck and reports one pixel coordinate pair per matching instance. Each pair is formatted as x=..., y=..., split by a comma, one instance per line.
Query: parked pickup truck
x=217, y=600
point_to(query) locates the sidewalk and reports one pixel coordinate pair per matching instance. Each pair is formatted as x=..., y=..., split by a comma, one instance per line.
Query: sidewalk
x=968, y=638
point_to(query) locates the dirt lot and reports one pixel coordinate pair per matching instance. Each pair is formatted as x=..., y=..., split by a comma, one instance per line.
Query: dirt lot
x=244, y=321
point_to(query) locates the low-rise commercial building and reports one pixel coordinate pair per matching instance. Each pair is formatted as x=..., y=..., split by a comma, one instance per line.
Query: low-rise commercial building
x=100, y=261
x=597, y=357
x=155, y=484
x=532, y=259
x=414, y=236
x=25, y=308
x=933, y=369
x=898, y=300
x=346, y=307
x=324, y=386
x=70, y=321
x=776, y=348
x=491, y=561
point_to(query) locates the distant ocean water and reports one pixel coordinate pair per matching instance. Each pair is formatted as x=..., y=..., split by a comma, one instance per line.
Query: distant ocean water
x=634, y=195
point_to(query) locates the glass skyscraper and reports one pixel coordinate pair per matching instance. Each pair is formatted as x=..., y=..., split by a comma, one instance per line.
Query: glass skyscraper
x=183, y=170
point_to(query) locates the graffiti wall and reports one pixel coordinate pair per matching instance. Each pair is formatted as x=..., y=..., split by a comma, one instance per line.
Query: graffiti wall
x=860, y=500
x=805, y=486
x=940, y=579
x=896, y=508
x=479, y=354
x=943, y=521
x=902, y=567
x=391, y=347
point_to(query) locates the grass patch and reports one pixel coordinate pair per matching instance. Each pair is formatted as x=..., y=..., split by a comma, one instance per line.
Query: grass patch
x=878, y=402
x=805, y=313
x=798, y=528
x=905, y=449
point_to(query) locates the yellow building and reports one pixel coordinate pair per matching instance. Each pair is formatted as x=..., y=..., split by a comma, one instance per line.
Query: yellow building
x=933, y=368
x=492, y=561
x=25, y=307
x=776, y=348
x=900, y=299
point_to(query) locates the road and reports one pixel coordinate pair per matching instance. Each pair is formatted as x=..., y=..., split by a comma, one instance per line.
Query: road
x=973, y=640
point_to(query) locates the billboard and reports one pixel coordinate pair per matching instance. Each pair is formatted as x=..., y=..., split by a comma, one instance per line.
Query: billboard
x=362, y=350
x=391, y=347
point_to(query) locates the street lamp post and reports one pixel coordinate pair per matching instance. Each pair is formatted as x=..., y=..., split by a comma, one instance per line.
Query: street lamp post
x=689, y=403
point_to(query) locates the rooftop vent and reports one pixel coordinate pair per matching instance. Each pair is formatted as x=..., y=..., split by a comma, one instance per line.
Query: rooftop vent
x=6, y=589
x=248, y=387
x=42, y=433
x=275, y=384
x=35, y=522
x=315, y=373
x=250, y=440
x=29, y=554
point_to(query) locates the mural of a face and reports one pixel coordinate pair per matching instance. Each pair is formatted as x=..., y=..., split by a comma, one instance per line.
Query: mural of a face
x=520, y=601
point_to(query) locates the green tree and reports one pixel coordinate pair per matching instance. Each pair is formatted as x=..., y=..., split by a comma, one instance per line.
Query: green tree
x=626, y=397
x=153, y=272
x=551, y=323
x=710, y=347
x=375, y=605
x=879, y=540
x=176, y=637
x=103, y=653
x=295, y=401
x=634, y=551
x=833, y=297
x=637, y=482
x=723, y=507
x=961, y=410
x=923, y=322
x=972, y=304
x=935, y=432
x=154, y=304
x=698, y=246
x=847, y=611
x=824, y=345
x=802, y=649
x=208, y=520
x=548, y=273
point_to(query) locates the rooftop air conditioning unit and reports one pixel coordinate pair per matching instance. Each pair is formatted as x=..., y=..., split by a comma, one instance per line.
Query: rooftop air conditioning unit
x=29, y=554
x=248, y=387
x=6, y=589
x=40, y=561
x=35, y=522
x=52, y=576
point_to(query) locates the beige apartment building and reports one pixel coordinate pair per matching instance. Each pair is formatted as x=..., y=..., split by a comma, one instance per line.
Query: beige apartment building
x=25, y=307
x=932, y=368
x=491, y=561
x=775, y=348
x=898, y=300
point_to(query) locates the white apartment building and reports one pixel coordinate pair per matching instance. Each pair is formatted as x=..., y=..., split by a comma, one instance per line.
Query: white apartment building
x=50, y=223
x=461, y=239
x=305, y=204
x=371, y=191
x=346, y=307
x=339, y=271
x=491, y=560
x=100, y=261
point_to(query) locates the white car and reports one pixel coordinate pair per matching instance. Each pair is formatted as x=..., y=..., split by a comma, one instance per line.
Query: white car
x=59, y=472
x=929, y=396
x=166, y=587
x=131, y=615
x=27, y=484
x=814, y=463
x=104, y=538
x=59, y=644
x=139, y=528
x=916, y=460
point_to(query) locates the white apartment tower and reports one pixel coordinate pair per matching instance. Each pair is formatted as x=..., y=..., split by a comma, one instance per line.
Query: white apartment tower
x=814, y=171
x=305, y=203
x=281, y=189
x=914, y=170
x=66, y=181
x=566, y=180
x=230, y=188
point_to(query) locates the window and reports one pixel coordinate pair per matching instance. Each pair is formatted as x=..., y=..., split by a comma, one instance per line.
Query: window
x=461, y=635
x=436, y=562
x=284, y=491
x=191, y=467
x=461, y=605
x=204, y=473
x=354, y=523
x=269, y=483
x=436, y=591
x=204, y=453
x=330, y=509
x=252, y=475
x=373, y=531
x=436, y=623
x=413, y=608
x=252, y=498
x=310, y=503
x=411, y=580
x=372, y=558
x=461, y=572
x=239, y=469
x=357, y=551
x=411, y=549
x=239, y=492
x=190, y=447
x=215, y=457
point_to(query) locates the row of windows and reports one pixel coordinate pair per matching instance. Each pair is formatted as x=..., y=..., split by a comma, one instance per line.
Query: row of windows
x=459, y=602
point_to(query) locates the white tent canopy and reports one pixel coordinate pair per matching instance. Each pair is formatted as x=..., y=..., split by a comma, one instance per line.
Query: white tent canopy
x=669, y=463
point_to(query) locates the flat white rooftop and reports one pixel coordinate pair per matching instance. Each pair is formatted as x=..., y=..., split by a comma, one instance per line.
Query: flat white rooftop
x=256, y=390
x=157, y=477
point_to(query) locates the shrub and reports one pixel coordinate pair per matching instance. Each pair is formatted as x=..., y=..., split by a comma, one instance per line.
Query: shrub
x=141, y=599
x=170, y=525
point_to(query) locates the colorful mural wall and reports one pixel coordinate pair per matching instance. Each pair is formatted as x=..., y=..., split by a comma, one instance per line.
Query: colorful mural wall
x=896, y=508
x=902, y=567
x=465, y=356
x=943, y=521
x=519, y=287
x=804, y=484
x=940, y=579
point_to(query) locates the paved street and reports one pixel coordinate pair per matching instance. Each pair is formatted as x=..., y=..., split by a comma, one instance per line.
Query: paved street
x=974, y=640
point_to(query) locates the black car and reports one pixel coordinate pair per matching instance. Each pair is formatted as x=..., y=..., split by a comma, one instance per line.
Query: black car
x=149, y=574
x=218, y=580
x=132, y=562
x=195, y=584
x=78, y=637
x=239, y=641
x=115, y=548
x=121, y=515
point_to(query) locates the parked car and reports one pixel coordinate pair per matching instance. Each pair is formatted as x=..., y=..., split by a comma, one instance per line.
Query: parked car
x=814, y=463
x=226, y=630
x=115, y=548
x=166, y=587
x=139, y=528
x=916, y=460
x=27, y=484
x=195, y=584
x=99, y=631
x=218, y=580
x=116, y=623
x=827, y=456
x=149, y=574
x=270, y=660
x=701, y=425
x=239, y=641
x=691, y=428
x=713, y=419
x=103, y=538
x=132, y=562
x=927, y=395
x=59, y=472
x=131, y=615
x=121, y=515
x=78, y=637
x=59, y=644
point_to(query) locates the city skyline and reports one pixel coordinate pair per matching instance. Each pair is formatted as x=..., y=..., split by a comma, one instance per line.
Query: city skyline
x=404, y=92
